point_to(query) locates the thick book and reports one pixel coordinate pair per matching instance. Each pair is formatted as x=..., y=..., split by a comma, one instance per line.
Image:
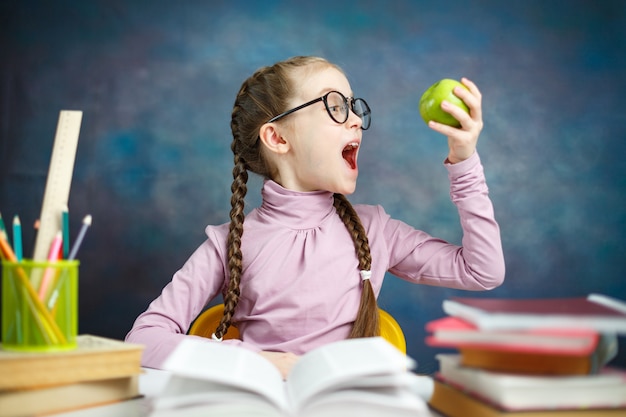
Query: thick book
x=532, y=363
x=511, y=392
x=596, y=311
x=95, y=358
x=366, y=377
x=453, y=402
x=67, y=397
x=529, y=351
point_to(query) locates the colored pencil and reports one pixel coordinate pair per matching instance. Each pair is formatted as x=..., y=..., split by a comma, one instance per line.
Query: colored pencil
x=52, y=257
x=65, y=221
x=17, y=238
x=3, y=230
x=81, y=235
x=6, y=252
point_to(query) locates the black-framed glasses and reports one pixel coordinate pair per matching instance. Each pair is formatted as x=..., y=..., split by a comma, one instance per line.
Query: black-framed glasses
x=338, y=108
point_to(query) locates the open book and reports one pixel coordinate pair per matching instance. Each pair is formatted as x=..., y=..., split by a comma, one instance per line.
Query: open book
x=366, y=377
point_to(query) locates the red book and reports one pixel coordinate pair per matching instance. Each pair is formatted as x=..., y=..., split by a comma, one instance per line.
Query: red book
x=458, y=333
x=533, y=351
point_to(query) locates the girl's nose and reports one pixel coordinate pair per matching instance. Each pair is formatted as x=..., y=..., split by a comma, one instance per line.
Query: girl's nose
x=354, y=120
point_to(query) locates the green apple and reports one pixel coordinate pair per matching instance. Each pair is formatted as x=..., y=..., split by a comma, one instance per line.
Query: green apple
x=430, y=103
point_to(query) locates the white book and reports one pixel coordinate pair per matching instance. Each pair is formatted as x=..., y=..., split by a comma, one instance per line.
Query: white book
x=530, y=392
x=366, y=377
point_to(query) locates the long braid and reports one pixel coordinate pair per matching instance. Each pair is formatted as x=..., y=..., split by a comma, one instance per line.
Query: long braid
x=366, y=323
x=239, y=189
x=240, y=146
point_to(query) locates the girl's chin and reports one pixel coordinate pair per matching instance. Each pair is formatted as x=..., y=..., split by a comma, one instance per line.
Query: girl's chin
x=348, y=188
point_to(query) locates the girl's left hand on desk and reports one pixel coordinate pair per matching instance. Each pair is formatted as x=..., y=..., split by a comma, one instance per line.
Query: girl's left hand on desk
x=284, y=361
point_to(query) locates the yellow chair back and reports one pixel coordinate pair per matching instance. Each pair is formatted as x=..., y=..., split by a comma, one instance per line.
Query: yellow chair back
x=208, y=320
x=391, y=331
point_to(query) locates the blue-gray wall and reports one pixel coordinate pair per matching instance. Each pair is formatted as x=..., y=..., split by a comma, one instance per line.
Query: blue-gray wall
x=156, y=81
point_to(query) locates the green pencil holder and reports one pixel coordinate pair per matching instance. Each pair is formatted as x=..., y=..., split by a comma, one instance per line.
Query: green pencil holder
x=39, y=305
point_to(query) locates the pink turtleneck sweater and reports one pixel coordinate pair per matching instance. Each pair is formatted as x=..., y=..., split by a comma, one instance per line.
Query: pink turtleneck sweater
x=301, y=285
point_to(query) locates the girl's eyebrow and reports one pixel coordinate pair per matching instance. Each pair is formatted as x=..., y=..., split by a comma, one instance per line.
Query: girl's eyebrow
x=329, y=89
x=325, y=90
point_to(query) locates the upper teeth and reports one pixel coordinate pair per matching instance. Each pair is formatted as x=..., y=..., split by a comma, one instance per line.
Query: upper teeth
x=353, y=144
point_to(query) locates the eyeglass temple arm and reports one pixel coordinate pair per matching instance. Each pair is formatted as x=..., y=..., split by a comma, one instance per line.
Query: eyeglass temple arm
x=295, y=109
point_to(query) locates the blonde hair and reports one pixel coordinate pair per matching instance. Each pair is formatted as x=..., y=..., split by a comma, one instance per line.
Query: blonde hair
x=262, y=96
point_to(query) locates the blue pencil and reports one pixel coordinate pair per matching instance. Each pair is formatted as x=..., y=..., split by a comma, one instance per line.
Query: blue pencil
x=17, y=238
x=81, y=236
x=65, y=221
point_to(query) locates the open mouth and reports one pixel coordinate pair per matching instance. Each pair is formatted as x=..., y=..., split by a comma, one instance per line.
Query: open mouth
x=349, y=154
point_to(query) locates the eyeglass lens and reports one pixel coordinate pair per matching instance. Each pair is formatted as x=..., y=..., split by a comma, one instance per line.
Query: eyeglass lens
x=339, y=110
x=360, y=107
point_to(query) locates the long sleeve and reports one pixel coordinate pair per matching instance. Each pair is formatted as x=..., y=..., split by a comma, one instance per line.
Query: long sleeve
x=478, y=264
x=165, y=323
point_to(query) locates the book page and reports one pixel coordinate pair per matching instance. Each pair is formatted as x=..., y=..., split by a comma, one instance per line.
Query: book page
x=339, y=363
x=609, y=302
x=185, y=393
x=201, y=362
x=364, y=402
x=238, y=409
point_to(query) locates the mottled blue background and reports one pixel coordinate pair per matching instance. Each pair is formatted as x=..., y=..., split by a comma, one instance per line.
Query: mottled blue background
x=156, y=81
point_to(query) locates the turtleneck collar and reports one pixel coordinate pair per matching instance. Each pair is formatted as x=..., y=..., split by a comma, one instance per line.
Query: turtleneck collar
x=295, y=209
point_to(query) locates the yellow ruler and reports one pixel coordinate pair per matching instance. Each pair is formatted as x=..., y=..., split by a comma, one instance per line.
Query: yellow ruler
x=59, y=181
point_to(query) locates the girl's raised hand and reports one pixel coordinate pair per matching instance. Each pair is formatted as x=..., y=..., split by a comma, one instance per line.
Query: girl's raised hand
x=462, y=141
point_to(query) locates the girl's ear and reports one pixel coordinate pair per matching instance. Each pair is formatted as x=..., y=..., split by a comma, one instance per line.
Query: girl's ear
x=272, y=139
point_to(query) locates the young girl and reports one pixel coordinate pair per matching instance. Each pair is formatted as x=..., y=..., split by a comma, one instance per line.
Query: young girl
x=305, y=268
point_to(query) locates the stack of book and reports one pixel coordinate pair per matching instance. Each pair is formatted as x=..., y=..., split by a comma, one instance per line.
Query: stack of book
x=99, y=371
x=529, y=357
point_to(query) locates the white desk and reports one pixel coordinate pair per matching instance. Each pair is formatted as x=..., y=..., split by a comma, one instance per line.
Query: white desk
x=151, y=383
